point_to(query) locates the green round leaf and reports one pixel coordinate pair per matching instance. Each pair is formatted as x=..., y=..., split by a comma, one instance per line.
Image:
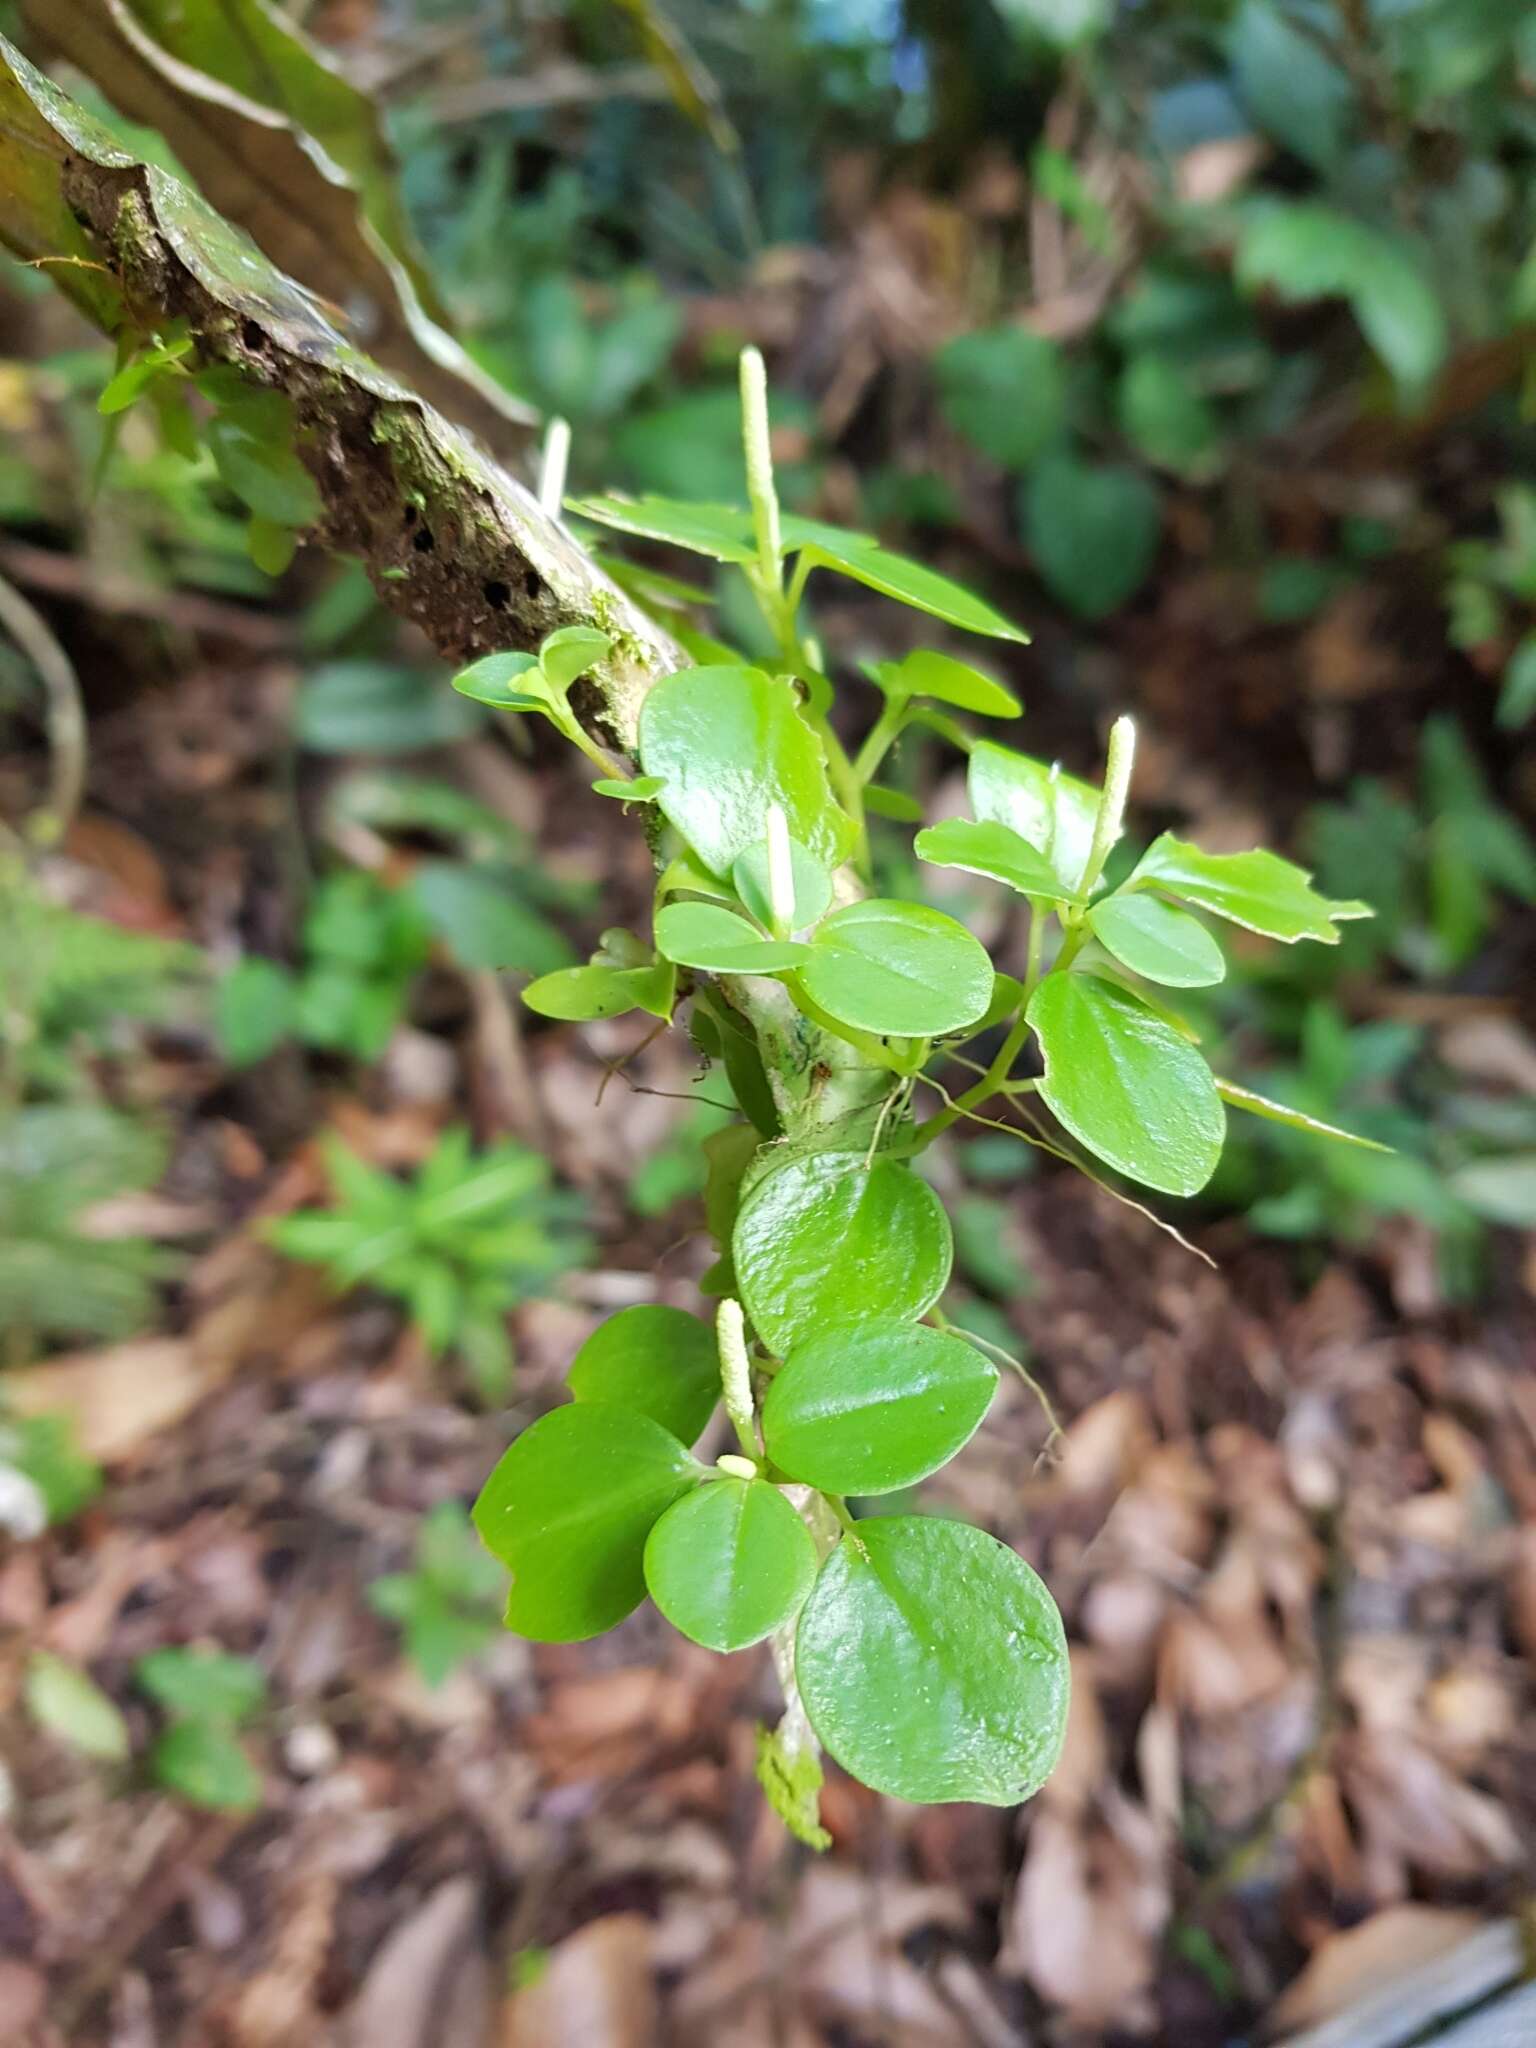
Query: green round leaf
x=657, y=1360
x=812, y=885
x=1125, y=1084
x=1092, y=529
x=727, y=743
x=203, y=1685
x=899, y=969
x=1169, y=420
x=1052, y=812
x=568, y=1509
x=1005, y=390
x=203, y=1762
x=509, y=682
x=709, y=936
x=577, y=994
x=875, y=1405
x=826, y=1239
x=1154, y=939
x=933, y=1664
x=729, y=1563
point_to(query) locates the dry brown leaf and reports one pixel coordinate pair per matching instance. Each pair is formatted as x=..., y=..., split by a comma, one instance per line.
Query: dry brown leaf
x=596, y=1990
x=1350, y=1965
x=1088, y=1912
x=419, y=1968
x=120, y=1396
x=1213, y=171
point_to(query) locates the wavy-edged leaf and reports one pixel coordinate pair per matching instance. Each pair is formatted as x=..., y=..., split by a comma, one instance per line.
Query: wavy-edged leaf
x=1256, y=889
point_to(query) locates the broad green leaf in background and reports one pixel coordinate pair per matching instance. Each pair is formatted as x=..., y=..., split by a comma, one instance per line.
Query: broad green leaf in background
x=203, y=1685
x=812, y=884
x=1062, y=23
x=927, y=673
x=897, y=969
x=1256, y=889
x=1005, y=390
x=1306, y=250
x=723, y=532
x=1289, y=83
x=1171, y=422
x=568, y=1509
x=1502, y=1190
x=1517, y=697
x=831, y=1238
x=483, y=921
x=708, y=936
x=981, y=846
x=933, y=1663
x=255, y=1009
x=203, y=1763
x=1092, y=529
x=728, y=743
x=363, y=706
x=875, y=1405
x=859, y=556
x=1126, y=1084
x=729, y=1563
x=1053, y=812
x=657, y=1360
x=576, y=995
x=1153, y=939
x=70, y=1704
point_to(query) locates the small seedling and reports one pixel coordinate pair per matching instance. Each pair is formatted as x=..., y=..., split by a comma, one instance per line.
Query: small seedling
x=926, y=1656
x=462, y=1242
x=207, y=1695
x=449, y=1607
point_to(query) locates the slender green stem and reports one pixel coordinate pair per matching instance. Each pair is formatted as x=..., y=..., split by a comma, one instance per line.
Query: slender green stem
x=1032, y=959
x=839, y=1508
x=880, y=737
x=987, y=1086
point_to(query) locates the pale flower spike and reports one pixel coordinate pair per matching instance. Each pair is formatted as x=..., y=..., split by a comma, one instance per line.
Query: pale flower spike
x=781, y=873
x=553, y=464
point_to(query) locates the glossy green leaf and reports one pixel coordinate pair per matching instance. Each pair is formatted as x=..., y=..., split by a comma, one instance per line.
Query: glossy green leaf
x=981, y=846
x=1093, y=530
x=1005, y=390
x=568, y=1509
x=657, y=1360
x=1153, y=939
x=507, y=682
x=638, y=789
x=897, y=969
x=728, y=743
x=882, y=802
x=1282, y=1113
x=71, y=1705
x=723, y=532
x=570, y=652
x=709, y=936
x=1304, y=250
x=1257, y=889
x=578, y=994
x=1125, y=1084
x=828, y=1239
x=203, y=1685
x=875, y=1405
x=927, y=673
x=863, y=559
x=730, y=1563
x=203, y=1763
x=933, y=1663
x=812, y=884
x=1053, y=812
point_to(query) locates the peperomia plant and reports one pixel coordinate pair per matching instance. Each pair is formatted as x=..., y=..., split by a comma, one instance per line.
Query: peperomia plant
x=923, y=1654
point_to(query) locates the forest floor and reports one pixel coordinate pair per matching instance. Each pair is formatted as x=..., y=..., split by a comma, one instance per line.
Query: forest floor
x=1291, y=1523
